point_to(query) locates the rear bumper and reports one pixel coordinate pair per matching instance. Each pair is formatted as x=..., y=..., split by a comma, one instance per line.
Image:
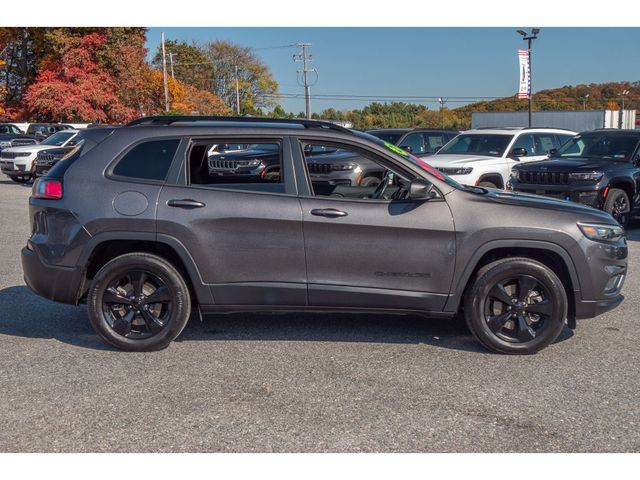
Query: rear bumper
x=60, y=284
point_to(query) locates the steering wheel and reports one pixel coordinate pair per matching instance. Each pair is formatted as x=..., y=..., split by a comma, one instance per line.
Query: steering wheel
x=378, y=193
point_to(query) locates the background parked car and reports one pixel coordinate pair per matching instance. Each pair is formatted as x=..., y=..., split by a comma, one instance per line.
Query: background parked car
x=44, y=130
x=9, y=128
x=46, y=159
x=18, y=163
x=600, y=168
x=484, y=157
x=8, y=140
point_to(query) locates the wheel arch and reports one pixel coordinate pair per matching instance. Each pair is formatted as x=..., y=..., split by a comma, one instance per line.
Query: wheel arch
x=107, y=246
x=623, y=184
x=551, y=255
x=493, y=177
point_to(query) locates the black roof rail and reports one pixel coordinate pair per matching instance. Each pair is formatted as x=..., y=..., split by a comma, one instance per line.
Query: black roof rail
x=170, y=119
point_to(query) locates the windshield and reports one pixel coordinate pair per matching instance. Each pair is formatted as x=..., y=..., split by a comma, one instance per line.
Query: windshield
x=605, y=145
x=391, y=137
x=58, y=139
x=492, y=145
x=417, y=161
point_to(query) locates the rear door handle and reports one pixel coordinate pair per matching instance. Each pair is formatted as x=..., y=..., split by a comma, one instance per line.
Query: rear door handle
x=328, y=212
x=185, y=203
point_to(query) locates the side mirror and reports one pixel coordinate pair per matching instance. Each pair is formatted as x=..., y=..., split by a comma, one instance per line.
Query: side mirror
x=553, y=151
x=437, y=149
x=421, y=190
x=406, y=148
x=519, y=152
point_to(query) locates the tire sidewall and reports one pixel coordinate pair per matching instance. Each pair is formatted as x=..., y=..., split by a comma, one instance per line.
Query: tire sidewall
x=487, y=279
x=117, y=267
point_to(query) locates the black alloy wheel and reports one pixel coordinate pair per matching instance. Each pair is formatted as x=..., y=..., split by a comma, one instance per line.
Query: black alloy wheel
x=518, y=309
x=515, y=305
x=618, y=206
x=137, y=304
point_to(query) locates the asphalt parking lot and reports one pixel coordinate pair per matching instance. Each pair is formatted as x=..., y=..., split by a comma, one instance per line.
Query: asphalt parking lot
x=263, y=383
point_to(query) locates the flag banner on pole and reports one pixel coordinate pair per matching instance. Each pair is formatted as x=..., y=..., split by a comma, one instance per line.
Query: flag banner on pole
x=525, y=74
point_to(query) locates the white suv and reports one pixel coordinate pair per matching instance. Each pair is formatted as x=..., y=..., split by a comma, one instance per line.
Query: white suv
x=18, y=163
x=484, y=157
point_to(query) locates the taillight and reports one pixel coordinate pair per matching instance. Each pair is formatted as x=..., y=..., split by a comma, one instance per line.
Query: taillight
x=47, y=188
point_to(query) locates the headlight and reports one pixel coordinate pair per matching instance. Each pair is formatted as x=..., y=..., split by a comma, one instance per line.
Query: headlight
x=456, y=171
x=343, y=166
x=586, y=177
x=514, y=172
x=5, y=144
x=249, y=163
x=601, y=233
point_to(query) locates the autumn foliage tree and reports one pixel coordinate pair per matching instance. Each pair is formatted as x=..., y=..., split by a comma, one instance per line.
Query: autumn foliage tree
x=77, y=88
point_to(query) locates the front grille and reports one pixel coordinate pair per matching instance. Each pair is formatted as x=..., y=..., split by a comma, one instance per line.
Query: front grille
x=319, y=167
x=223, y=164
x=544, y=178
x=6, y=165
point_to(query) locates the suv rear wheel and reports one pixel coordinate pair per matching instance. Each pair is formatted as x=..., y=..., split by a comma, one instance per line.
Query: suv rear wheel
x=138, y=302
x=516, y=306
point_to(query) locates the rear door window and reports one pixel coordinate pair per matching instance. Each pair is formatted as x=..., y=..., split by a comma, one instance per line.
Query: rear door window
x=226, y=163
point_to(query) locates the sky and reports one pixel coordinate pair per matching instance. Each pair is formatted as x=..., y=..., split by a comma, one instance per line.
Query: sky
x=382, y=63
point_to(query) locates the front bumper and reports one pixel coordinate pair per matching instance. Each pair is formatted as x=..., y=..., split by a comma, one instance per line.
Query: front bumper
x=593, y=308
x=14, y=168
x=585, y=194
x=60, y=284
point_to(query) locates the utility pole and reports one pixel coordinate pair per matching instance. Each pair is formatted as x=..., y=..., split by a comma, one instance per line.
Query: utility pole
x=584, y=101
x=529, y=38
x=171, y=63
x=305, y=59
x=237, y=92
x=164, y=75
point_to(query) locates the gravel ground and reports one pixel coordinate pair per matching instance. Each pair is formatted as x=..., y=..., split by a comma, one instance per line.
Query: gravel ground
x=263, y=383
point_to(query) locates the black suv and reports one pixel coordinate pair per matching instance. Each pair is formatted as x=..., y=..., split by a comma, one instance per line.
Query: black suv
x=133, y=224
x=600, y=168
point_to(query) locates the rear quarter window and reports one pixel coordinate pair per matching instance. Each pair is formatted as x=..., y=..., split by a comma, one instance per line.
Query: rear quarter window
x=148, y=161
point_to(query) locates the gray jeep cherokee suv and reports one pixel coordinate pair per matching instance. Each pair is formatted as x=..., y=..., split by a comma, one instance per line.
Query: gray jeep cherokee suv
x=132, y=223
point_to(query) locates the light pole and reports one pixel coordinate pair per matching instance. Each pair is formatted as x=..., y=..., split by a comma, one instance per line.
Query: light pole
x=529, y=37
x=442, y=101
x=623, y=94
x=584, y=101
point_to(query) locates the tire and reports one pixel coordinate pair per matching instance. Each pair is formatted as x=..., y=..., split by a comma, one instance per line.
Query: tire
x=21, y=179
x=530, y=322
x=134, y=323
x=370, y=182
x=617, y=205
x=487, y=184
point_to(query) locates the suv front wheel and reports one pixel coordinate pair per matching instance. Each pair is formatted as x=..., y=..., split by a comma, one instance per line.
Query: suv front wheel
x=516, y=306
x=138, y=302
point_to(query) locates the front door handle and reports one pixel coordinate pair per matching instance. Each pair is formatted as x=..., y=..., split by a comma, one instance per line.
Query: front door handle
x=328, y=212
x=185, y=203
